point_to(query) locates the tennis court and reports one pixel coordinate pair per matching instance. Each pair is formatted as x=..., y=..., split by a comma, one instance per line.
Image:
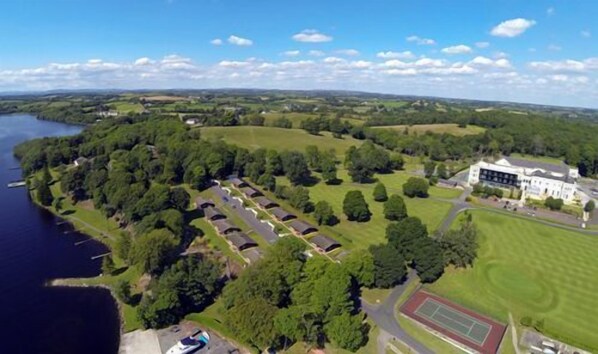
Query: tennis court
x=454, y=322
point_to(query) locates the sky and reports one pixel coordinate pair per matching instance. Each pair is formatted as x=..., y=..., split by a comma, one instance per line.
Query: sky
x=511, y=50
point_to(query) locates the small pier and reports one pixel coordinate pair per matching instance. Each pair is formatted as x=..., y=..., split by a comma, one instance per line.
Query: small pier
x=101, y=255
x=15, y=184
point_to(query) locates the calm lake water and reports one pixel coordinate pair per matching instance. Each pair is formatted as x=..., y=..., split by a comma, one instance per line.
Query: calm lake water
x=34, y=250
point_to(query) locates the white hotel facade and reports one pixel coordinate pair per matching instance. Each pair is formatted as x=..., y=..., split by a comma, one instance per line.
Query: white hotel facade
x=536, y=180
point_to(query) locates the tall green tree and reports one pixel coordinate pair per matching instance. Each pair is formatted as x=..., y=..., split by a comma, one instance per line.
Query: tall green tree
x=416, y=187
x=346, y=331
x=44, y=194
x=324, y=214
x=395, y=208
x=355, y=207
x=389, y=266
x=380, y=192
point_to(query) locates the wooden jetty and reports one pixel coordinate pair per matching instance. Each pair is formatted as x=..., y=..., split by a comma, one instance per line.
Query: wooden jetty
x=16, y=184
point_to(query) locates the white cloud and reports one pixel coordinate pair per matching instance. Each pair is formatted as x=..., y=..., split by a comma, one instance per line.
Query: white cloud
x=585, y=34
x=501, y=63
x=244, y=42
x=233, y=64
x=143, y=61
x=420, y=41
x=316, y=53
x=457, y=49
x=348, y=52
x=291, y=53
x=554, y=47
x=334, y=60
x=311, y=36
x=500, y=55
x=512, y=28
x=568, y=65
x=401, y=72
x=395, y=55
x=216, y=41
x=482, y=44
x=550, y=11
x=361, y=64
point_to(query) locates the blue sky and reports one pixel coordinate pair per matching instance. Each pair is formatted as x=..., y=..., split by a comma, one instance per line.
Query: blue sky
x=529, y=51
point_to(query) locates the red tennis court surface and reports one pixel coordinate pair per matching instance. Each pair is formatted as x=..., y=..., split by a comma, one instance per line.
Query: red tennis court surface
x=461, y=325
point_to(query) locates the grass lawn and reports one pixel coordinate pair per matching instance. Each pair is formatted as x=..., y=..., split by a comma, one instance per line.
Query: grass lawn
x=375, y=296
x=532, y=270
x=354, y=235
x=126, y=107
x=448, y=128
x=434, y=343
x=278, y=138
x=297, y=118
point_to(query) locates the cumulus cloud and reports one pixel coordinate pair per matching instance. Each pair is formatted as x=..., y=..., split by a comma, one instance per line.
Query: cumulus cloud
x=216, y=41
x=482, y=44
x=333, y=60
x=348, y=52
x=512, y=28
x=420, y=41
x=311, y=36
x=291, y=53
x=240, y=41
x=143, y=61
x=395, y=55
x=457, y=49
x=484, y=61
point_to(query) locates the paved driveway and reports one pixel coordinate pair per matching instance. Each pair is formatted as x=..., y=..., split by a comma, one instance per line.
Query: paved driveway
x=384, y=316
x=250, y=219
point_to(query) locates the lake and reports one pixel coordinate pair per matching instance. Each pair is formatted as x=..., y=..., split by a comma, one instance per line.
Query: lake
x=34, y=249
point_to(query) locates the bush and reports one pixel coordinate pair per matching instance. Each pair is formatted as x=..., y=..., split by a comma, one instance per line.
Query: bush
x=553, y=203
x=416, y=187
x=589, y=207
x=380, y=192
x=355, y=207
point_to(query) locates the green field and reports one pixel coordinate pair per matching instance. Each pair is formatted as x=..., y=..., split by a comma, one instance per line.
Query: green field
x=277, y=138
x=354, y=235
x=534, y=270
x=126, y=107
x=297, y=118
x=448, y=128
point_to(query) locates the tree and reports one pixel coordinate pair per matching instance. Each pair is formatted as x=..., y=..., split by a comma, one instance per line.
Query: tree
x=44, y=194
x=268, y=181
x=380, y=192
x=389, y=266
x=295, y=166
x=107, y=265
x=394, y=208
x=554, y=203
x=312, y=155
x=416, y=187
x=355, y=207
x=429, y=168
x=46, y=176
x=441, y=171
x=328, y=166
x=299, y=198
x=154, y=250
x=405, y=235
x=58, y=204
x=428, y=260
x=253, y=322
x=324, y=214
x=346, y=331
x=179, y=198
x=160, y=311
x=589, y=207
x=460, y=246
x=361, y=267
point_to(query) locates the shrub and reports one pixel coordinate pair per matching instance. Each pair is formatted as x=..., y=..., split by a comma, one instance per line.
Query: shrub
x=554, y=203
x=416, y=187
x=526, y=321
x=380, y=192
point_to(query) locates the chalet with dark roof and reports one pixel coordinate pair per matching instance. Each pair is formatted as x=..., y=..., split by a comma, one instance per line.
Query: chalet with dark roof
x=302, y=228
x=213, y=213
x=282, y=215
x=265, y=203
x=225, y=227
x=240, y=241
x=324, y=243
x=239, y=183
x=202, y=203
x=250, y=192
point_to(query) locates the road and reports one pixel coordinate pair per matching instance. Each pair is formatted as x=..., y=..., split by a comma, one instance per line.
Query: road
x=459, y=205
x=384, y=316
x=248, y=217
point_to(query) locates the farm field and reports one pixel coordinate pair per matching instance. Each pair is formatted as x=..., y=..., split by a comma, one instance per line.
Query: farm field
x=533, y=270
x=277, y=138
x=297, y=118
x=449, y=128
x=126, y=107
x=354, y=235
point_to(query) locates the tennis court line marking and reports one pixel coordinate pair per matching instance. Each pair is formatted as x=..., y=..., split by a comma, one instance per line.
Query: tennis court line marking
x=442, y=325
